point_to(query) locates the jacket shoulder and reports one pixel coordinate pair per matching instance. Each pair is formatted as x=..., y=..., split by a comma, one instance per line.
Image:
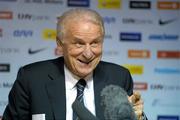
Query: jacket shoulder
x=108, y=66
x=46, y=64
x=116, y=74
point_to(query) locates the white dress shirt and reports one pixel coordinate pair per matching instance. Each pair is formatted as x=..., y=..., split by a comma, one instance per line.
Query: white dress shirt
x=71, y=93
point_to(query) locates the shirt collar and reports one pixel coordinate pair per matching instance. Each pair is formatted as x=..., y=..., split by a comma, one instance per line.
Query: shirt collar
x=72, y=79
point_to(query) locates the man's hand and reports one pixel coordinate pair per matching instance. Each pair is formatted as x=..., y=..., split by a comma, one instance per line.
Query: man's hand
x=137, y=103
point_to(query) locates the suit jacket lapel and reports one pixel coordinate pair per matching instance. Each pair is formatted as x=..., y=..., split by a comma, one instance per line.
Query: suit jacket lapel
x=56, y=89
x=99, y=83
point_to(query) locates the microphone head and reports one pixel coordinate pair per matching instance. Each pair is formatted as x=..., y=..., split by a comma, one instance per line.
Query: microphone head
x=82, y=112
x=116, y=105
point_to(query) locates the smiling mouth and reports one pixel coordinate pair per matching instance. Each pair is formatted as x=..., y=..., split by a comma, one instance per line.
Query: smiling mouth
x=85, y=62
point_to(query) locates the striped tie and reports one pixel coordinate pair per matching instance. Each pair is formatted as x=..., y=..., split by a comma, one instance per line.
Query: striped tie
x=80, y=89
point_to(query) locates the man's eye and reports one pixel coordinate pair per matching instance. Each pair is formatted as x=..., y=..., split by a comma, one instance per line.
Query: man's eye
x=79, y=45
x=95, y=44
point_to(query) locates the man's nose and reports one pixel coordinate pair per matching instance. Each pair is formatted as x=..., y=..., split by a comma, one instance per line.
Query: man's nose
x=87, y=53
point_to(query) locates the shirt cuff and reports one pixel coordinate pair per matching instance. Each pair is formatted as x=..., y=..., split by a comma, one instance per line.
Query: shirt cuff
x=144, y=116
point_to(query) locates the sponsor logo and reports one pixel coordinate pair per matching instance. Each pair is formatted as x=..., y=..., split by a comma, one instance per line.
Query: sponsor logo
x=164, y=37
x=138, y=54
x=6, y=85
x=168, y=54
x=31, y=52
x=49, y=34
x=135, y=69
x=128, y=36
x=54, y=1
x=1, y=32
x=136, y=21
x=9, y=50
x=79, y=3
x=140, y=86
x=9, y=0
x=140, y=4
x=4, y=67
x=165, y=103
x=165, y=22
x=174, y=87
x=28, y=16
x=168, y=5
x=6, y=15
x=44, y=1
x=110, y=53
x=167, y=117
x=109, y=20
x=23, y=33
x=109, y=4
x=167, y=70
x=33, y=1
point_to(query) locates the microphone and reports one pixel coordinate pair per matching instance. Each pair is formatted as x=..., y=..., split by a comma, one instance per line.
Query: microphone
x=116, y=104
x=82, y=112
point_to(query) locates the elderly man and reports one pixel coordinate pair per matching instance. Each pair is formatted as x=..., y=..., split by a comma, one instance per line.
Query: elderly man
x=47, y=89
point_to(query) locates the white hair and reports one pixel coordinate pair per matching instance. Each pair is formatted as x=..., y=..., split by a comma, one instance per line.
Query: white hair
x=78, y=14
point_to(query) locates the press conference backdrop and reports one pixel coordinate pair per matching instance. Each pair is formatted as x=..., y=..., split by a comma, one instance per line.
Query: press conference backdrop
x=142, y=35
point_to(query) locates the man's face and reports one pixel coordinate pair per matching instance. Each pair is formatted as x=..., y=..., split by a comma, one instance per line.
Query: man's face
x=82, y=47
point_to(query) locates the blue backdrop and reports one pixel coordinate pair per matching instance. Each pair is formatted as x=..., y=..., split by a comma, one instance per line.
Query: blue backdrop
x=140, y=35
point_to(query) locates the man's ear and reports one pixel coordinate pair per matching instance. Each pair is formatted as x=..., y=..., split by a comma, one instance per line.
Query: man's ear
x=59, y=42
x=59, y=48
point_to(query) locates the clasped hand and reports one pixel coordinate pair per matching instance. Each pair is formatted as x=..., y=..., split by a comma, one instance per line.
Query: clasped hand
x=137, y=103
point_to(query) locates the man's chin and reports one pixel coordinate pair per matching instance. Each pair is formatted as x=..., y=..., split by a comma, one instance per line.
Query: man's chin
x=84, y=74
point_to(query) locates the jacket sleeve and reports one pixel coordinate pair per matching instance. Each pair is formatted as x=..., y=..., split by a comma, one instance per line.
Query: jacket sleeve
x=129, y=83
x=129, y=89
x=18, y=107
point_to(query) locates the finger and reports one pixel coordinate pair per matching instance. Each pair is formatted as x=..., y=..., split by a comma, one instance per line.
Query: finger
x=139, y=115
x=138, y=107
x=140, y=102
x=130, y=98
x=135, y=97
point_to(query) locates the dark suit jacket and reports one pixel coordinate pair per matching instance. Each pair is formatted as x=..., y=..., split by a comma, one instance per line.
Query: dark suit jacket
x=40, y=88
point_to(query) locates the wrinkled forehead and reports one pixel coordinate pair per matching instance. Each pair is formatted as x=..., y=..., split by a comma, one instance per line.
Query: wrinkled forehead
x=82, y=24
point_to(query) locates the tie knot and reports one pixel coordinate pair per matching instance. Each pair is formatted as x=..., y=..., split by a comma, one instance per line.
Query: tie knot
x=80, y=89
x=81, y=84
